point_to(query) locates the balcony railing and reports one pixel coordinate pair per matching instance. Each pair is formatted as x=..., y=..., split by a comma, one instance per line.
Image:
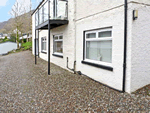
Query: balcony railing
x=58, y=11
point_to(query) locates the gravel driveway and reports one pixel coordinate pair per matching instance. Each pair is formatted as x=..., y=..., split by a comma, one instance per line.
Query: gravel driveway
x=25, y=87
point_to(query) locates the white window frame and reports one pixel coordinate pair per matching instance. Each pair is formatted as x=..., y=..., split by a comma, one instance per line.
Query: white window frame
x=97, y=39
x=43, y=39
x=57, y=40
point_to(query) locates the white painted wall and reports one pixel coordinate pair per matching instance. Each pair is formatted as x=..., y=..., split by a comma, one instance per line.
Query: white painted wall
x=89, y=15
x=68, y=32
x=140, y=1
x=86, y=8
x=43, y=33
x=33, y=32
x=129, y=44
x=140, y=73
x=114, y=18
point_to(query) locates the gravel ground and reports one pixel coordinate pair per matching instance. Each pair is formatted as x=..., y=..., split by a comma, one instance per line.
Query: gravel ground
x=25, y=87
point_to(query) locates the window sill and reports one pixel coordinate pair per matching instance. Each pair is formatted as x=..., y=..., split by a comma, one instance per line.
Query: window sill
x=43, y=52
x=98, y=65
x=60, y=56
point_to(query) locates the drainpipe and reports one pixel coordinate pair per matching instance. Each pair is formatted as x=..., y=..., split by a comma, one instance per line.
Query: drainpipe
x=38, y=46
x=125, y=45
x=48, y=37
x=75, y=55
x=35, y=47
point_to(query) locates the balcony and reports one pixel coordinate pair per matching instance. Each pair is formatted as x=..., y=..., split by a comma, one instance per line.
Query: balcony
x=54, y=10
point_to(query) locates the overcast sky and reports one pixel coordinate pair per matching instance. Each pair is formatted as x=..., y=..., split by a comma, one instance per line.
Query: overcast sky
x=6, y=5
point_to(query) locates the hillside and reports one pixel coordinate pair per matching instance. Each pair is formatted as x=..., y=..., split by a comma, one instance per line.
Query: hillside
x=6, y=26
x=2, y=24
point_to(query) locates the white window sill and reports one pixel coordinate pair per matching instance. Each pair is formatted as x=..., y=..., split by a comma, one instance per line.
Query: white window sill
x=58, y=55
x=45, y=52
x=98, y=64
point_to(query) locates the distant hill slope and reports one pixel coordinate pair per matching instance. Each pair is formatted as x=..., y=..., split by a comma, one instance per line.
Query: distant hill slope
x=2, y=24
x=6, y=24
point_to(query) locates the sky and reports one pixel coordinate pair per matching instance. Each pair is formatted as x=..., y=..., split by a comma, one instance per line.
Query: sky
x=6, y=5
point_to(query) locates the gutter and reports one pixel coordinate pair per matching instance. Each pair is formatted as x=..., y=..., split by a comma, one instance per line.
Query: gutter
x=125, y=45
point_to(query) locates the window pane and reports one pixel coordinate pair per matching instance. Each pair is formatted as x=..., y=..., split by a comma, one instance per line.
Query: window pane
x=41, y=16
x=91, y=35
x=44, y=44
x=52, y=9
x=60, y=37
x=59, y=47
x=56, y=37
x=104, y=34
x=61, y=10
x=46, y=11
x=100, y=51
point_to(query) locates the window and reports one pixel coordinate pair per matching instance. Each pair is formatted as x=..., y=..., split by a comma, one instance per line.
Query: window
x=43, y=44
x=58, y=45
x=98, y=46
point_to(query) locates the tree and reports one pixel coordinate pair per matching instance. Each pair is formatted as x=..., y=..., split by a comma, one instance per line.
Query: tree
x=13, y=37
x=22, y=19
x=27, y=26
x=16, y=11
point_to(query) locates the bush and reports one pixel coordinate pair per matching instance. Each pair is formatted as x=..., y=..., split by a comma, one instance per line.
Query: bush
x=27, y=45
x=5, y=37
x=24, y=40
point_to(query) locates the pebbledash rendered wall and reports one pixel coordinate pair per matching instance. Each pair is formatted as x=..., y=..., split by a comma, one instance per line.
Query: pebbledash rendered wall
x=102, y=14
x=140, y=47
x=138, y=44
x=87, y=15
x=138, y=52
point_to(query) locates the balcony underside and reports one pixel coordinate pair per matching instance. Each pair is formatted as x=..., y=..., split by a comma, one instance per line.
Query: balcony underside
x=53, y=24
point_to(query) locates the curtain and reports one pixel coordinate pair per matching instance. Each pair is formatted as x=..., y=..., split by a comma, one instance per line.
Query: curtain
x=99, y=50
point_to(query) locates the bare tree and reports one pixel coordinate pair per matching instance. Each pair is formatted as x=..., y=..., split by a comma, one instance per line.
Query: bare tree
x=22, y=19
x=28, y=19
x=16, y=11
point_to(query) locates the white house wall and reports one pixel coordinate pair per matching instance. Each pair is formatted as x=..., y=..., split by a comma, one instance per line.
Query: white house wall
x=140, y=1
x=43, y=33
x=33, y=32
x=94, y=14
x=86, y=8
x=114, y=18
x=140, y=48
x=68, y=32
x=129, y=46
